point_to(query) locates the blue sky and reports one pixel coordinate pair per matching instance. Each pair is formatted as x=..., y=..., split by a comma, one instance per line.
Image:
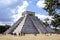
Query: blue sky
x=11, y=10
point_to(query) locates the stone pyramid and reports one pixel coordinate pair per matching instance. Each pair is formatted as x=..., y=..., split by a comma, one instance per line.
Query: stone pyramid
x=28, y=24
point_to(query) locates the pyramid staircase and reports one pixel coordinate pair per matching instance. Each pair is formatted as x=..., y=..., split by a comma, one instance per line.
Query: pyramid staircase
x=29, y=24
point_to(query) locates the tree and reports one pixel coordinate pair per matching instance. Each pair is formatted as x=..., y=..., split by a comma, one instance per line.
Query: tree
x=46, y=23
x=56, y=21
x=51, y=6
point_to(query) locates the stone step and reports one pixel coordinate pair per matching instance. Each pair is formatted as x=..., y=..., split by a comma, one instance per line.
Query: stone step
x=38, y=25
x=11, y=29
x=29, y=27
x=19, y=27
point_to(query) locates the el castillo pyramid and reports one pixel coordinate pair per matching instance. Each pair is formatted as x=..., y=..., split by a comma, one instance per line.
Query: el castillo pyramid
x=29, y=24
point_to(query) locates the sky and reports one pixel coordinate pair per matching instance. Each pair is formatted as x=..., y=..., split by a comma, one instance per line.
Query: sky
x=11, y=10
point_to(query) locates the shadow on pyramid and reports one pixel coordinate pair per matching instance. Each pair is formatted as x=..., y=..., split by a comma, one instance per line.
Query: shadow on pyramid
x=29, y=24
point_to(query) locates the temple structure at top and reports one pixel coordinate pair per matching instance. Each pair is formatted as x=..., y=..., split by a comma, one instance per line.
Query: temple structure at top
x=29, y=24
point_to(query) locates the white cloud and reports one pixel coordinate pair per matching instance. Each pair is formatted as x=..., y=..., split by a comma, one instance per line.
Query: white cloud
x=42, y=17
x=7, y=2
x=6, y=23
x=40, y=4
x=19, y=10
x=16, y=13
x=1, y=23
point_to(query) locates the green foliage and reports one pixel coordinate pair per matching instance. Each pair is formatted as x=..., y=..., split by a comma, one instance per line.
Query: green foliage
x=51, y=6
x=46, y=24
x=3, y=28
x=56, y=21
x=56, y=16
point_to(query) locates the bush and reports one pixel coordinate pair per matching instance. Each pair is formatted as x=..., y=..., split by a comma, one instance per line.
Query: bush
x=3, y=28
